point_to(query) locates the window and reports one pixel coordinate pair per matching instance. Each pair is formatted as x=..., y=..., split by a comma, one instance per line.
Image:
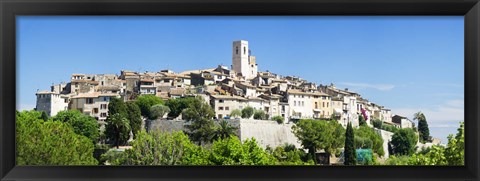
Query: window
x=227, y=108
x=76, y=85
x=244, y=50
x=294, y=103
x=219, y=77
x=316, y=105
x=236, y=50
x=220, y=108
x=95, y=110
x=302, y=96
x=220, y=101
x=166, y=80
x=303, y=103
x=66, y=100
x=328, y=104
x=89, y=100
x=323, y=104
x=103, y=114
x=103, y=106
x=104, y=98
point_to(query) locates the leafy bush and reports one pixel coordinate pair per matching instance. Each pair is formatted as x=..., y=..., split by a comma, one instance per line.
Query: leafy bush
x=260, y=115
x=236, y=113
x=279, y=119
x=247, y=112
x=377, y=123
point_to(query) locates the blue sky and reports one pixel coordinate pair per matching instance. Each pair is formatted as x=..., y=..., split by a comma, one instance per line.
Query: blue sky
x=406, y=63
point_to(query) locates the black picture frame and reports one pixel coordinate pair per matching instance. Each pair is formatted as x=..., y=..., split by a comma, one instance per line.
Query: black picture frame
x=470, y=9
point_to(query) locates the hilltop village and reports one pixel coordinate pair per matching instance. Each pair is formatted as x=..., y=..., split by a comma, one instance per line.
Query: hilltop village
x=224, y=89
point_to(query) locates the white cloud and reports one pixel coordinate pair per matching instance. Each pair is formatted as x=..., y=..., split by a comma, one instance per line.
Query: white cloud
x=448, y=114
x=381, y=87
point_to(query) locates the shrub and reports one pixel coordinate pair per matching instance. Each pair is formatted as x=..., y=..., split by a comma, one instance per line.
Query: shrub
x=279, y=119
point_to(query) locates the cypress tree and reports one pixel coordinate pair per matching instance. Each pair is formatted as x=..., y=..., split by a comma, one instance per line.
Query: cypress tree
x=423, y=130
x=349, y=153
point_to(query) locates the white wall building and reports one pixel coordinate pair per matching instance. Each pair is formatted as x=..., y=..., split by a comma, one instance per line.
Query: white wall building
x=51, y=102
x=242, y=62
x=300, y=104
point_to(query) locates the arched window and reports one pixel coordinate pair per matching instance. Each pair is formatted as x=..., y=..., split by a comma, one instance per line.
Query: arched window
x=236, y=49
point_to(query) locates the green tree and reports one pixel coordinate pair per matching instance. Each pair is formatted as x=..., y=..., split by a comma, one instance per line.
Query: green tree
x=158, y=111
x=247, y=112
x=423, y=130
x=361, y=120
x=315, y=134
x=81, y=123
x=178, y=105
x=236, y=113
x=279, y=119
x=366, y=137
x=349, y=154
x=377, y=123
x=455, y=151
x=452, y=154
x=224, y=130
x=134, y=117
x=145, y=102
x=404, y=142
x=289, y=155
x=200, y=125
x=117, y=129
x=231, y=151
x=40, y=142
x=44, y=116
x=117, y=105
x=260, y=115
x=161, y=148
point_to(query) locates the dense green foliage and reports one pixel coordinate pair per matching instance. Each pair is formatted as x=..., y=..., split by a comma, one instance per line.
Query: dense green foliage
x=158, y=111
x=145, y=102
x=200, y=125
x=117, y=129
x=231, y=151
x=44, y=116
x=404, y=142
x=390, y=128
x=224, y=130
x=134, y=117
x=178, y=105
x=289, y=155
x=247, y=112
x=423, y=131
x=377, y=123
x=361, y=120
x=236, y=113
x=159, y=148
x=452, y=154
x=350, y=156
x=81, y=123
x=366, y=137
x=319, y=134
x=260, y=115
x=117, y=105
x=49, y=142
x=279, y=119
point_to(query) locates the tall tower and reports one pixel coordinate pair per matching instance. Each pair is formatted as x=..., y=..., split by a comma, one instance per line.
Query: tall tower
x=240, y=58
